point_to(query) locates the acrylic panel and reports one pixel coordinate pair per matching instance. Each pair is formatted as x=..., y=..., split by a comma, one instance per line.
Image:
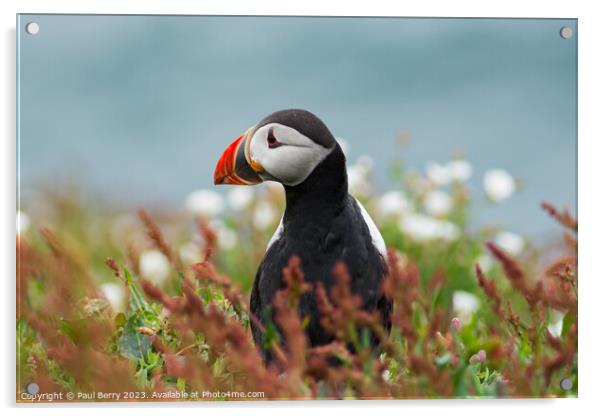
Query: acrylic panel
x=267, y=208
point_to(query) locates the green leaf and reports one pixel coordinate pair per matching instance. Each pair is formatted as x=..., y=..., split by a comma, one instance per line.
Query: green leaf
x=444, y=359
x=180, y=282
x=133, y=344
x=218, y=366
x=35, y=293
x=476, y=382
x=181, y=384
x=142, y=376
x=245, y=320
x=206, y=294
x=67, y=329
x=365, y=338
x=137, y=300
x=120, y=320
x=271, y=336
x=567, y=323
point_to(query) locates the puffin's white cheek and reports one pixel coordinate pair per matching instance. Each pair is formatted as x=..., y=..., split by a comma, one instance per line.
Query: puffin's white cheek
x=290, y=164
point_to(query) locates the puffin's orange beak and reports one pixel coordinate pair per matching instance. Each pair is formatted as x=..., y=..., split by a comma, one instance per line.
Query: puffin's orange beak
x=234, y=167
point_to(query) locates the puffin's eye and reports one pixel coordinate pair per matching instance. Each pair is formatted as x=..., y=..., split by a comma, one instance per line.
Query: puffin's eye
x=272, y=141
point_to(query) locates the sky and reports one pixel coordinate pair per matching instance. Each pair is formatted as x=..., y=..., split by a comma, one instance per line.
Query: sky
x=137, y=109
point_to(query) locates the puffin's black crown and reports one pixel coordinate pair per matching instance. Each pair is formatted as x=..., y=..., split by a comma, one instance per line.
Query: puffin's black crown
x=305, y=123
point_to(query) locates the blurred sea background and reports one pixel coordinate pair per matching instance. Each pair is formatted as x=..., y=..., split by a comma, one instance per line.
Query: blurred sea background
x=136, y=110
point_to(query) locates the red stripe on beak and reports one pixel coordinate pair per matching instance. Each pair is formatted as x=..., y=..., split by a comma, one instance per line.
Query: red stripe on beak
x=225, y=171
x=233, y=168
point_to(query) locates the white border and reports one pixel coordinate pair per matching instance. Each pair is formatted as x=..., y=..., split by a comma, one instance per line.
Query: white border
x=590, y=207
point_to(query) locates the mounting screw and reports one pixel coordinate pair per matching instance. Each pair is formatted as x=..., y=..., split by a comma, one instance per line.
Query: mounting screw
x=566, y=384
x=566, y=32
x=32, y=28
x=32, y=388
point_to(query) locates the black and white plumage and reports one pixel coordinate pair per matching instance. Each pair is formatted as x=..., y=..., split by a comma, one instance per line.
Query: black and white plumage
x=322, y=224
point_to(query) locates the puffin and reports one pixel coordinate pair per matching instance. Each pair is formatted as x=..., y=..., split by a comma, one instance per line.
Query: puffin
x=322, y=224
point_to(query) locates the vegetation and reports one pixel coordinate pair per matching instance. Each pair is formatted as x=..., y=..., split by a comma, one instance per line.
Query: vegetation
x=156, y=307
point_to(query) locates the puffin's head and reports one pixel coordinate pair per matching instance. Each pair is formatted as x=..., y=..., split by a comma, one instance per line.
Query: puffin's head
x=285, y=147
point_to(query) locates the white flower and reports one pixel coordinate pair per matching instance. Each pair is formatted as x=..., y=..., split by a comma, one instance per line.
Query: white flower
x=510, y=242
x=485, y=262
x=438, y=174
x=22, y=222
x=154, y=266
x=366, y=162
x=556, y=328
x=240, y=197
x=358, y=177
x=460, y=170
x=264, y=215
x=115, y=295
x=465, y=303
x=204, y=202
x=438, y=203
x=344, y=145
x=358, y=185
x=393, y=203
x=190, y=252
x=386, y=376
x=226, y=237
x=455, y=170
x=423, y=228
x=498, y=184
x=557, y=319
x=448, y=231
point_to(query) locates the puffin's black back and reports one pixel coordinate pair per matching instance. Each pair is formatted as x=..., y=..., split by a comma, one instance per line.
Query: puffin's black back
x=322, y=225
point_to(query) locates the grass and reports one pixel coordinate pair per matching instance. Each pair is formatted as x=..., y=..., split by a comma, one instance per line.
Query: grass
x=185, y=335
